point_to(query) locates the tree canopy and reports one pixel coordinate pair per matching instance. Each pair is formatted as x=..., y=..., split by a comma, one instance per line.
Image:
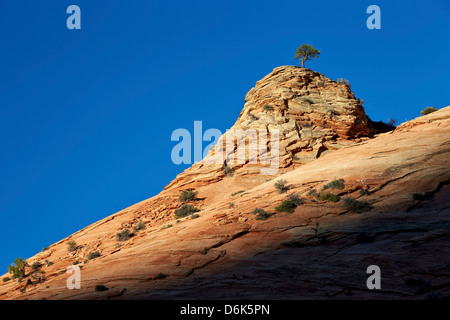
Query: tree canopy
x=306, y=52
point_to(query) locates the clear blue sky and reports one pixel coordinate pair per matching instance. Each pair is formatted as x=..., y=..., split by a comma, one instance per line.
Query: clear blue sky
x=86, y=115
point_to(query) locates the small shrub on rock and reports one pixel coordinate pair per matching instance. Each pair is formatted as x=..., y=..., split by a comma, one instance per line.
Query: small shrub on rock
x=261, y=214
x=281, y=185
x=286, y=206
x=356, y=206
x=188, y=195
x=427, y=110
x=185, y=210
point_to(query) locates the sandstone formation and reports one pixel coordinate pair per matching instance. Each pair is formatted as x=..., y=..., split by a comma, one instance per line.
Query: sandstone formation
x=312, y=115
x=320, y=250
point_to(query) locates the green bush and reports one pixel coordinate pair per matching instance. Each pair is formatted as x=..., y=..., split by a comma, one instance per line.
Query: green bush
x=100, y=288
x=296, y=199
x=364, y=192
x=428, y=110
x=268, y=107
x=356, y=206
x=281, y=185
x=261, y=214
x=185, y=210
x=6, y=279
x=188, y=195
x=71, y=246
x=312, y=192
x=140, y=226
x=124, y=235
x=286, y=206
x=227, y=170
x=204, y=251
x=335, y=184
x=18, y=268
x=343, y=81
x=36, y=265
x=329, y=197
x=94, y=255
x=166, y=227
x=237, y=192
x=160, y=276
x=195, y=216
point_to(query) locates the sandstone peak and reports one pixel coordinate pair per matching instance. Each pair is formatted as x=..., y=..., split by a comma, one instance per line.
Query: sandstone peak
x=312, y=115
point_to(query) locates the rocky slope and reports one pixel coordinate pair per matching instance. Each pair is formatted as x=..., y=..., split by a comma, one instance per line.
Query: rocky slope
x=320, y=250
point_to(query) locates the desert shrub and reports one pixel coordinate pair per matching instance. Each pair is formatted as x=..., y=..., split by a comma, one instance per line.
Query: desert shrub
x=312, y=192
x=296, y=199
x=48, y=263
x=227, y=170
x=380, y=126
x=335, y=184
x=343, y=81
x=237, y=192
x=185, y=210
x=160, y=276
x=188, y=195
x=421, y=196
x=195, y=216
x=329, y=197
x=286, y=206
x=261, y=214
x=166, y=227
x=94, y=255
x=364, y=192
x=361, y=101
x=268, y=107
x=100, y=288
x=204, y=251
x=124, y=235
x=281, y=185
x=320, y=83
x=392, y=122
x=356, y=206
x=18, y=268
x=6, y=279
x=36, y=265
x=427, y=110
x=139, y=226
x=71, y=246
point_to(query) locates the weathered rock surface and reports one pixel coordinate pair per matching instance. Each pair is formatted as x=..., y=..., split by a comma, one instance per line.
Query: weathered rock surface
x=320, y=251
x=311, y=114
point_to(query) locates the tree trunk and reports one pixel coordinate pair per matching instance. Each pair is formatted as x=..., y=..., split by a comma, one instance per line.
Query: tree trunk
x=303, y=64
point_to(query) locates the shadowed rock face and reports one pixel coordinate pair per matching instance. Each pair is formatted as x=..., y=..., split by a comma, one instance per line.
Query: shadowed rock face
x=320, y=250
x=311, y=114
